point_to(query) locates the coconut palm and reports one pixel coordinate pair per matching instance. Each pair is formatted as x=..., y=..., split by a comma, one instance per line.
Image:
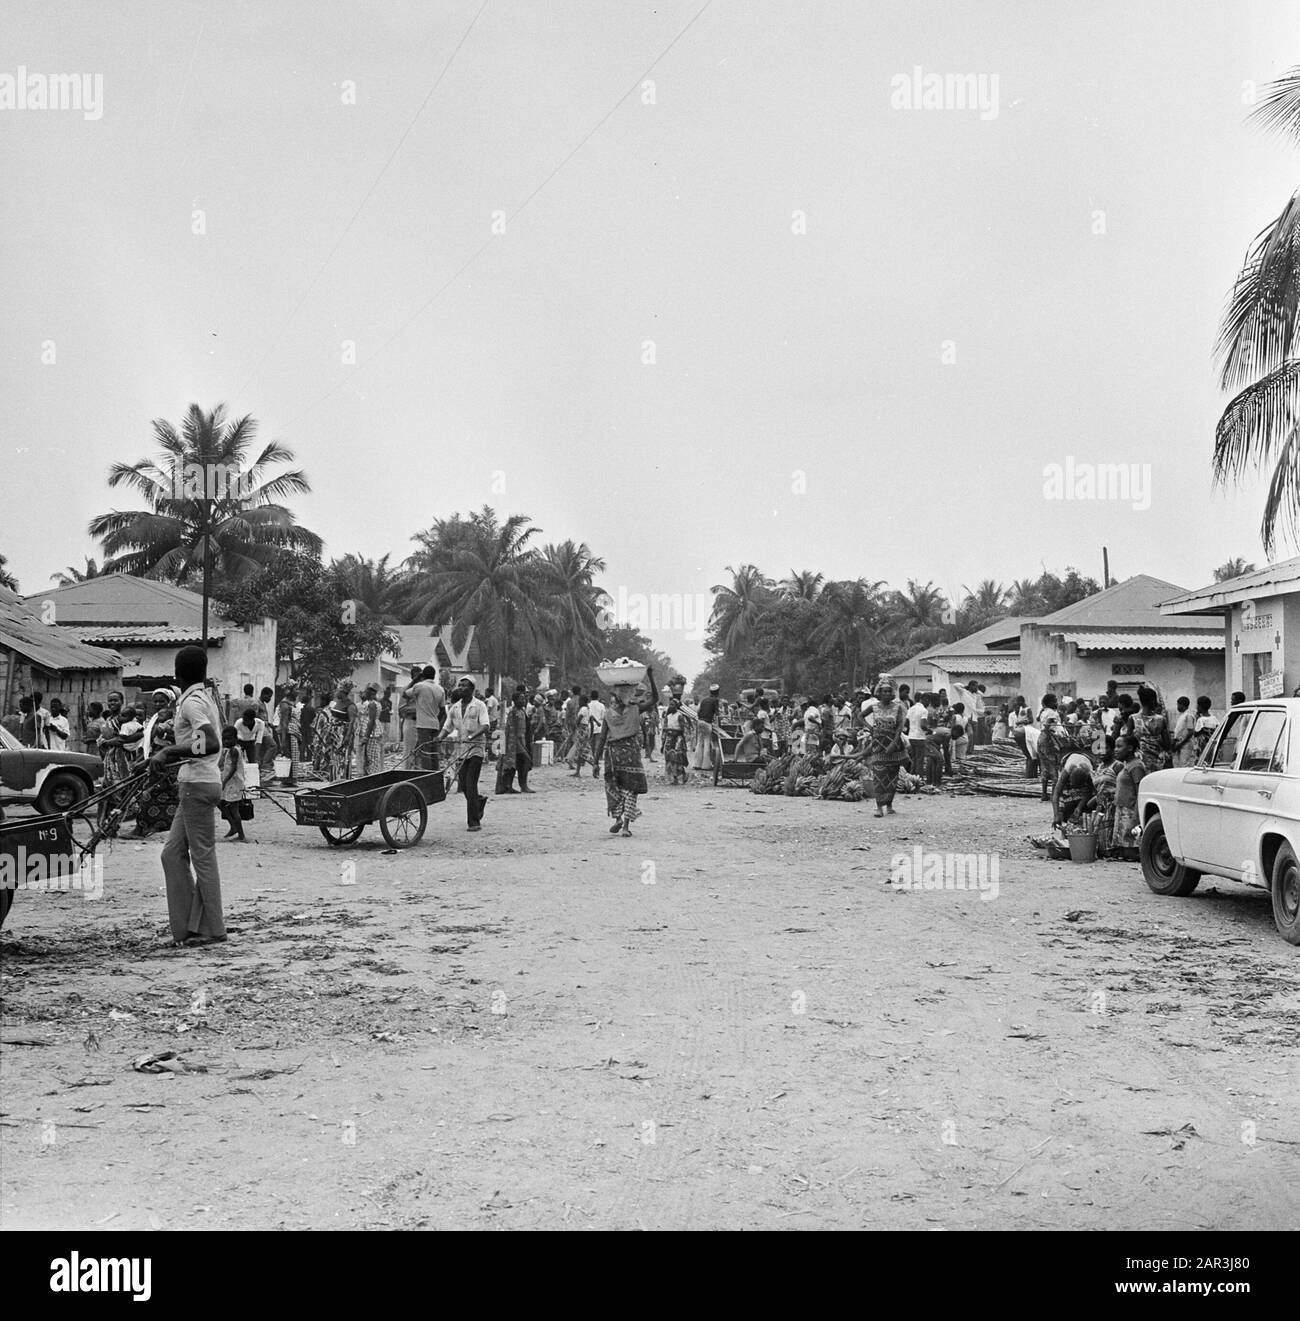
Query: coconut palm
x=982, y=605
x=738, y=607
x=804, y=585
x=482, y=572
x=1023, y=597
x=1233, y=568
x=372, y=584
x=6, y=578
x=569, y=571
x=237, y=530
x=1257, y=348
x=72, y=574
x=850, y=618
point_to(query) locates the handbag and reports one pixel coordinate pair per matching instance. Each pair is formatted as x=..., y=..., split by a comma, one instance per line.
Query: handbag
x=245, y=809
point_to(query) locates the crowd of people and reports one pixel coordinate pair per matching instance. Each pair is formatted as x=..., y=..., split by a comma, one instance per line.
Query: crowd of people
x=1088, y=756
x=1091, y=756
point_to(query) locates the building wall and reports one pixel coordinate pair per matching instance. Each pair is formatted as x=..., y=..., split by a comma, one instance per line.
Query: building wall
x=999, y=688
x=1173, y=675
x=243, y=656
x=1262, y=639
x=75, y=688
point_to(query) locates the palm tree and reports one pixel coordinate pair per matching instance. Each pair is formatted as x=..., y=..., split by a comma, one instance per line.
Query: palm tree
x=1023, y=597
x=980, y=607
x=738, y=607
x=1257, y=348
x=922, y=605
x=211, y=506
x=372, y=584
x=852, y=616
x=481, y=572
x=1233, y=568
x=6, y=578
x=570, y=570
x=803, y=586
x=72, y=574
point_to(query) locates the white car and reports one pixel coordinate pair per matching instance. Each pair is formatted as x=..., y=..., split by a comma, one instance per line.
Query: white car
x=1236, y=813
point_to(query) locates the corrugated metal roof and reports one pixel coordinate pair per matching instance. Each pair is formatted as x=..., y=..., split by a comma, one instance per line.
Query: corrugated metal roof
x=418, y=644
x=122, y=598
x=1156, y=640
x=973, y=643
x=1134, y=603
x=149, y=635
x=22, y=631
x=1272, y=579
x=991, y=662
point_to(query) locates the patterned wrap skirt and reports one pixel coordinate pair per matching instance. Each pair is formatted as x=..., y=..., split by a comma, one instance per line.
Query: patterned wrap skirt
x=624, y=776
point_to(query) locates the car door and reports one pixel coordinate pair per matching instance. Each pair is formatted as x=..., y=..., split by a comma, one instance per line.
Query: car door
x=1248, y=792
x=1200, y=796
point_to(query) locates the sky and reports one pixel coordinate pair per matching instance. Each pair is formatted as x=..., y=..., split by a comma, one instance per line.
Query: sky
x=689, y=282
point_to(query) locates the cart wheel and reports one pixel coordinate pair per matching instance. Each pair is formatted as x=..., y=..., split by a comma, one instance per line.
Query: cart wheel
x=403, y=816
x=340, y=835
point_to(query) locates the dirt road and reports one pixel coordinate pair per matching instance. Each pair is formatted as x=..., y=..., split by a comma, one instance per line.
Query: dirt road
x=731, y=1020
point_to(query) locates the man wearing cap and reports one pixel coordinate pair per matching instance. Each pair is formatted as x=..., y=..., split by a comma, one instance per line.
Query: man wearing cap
x=706, y=717
x=467, y=726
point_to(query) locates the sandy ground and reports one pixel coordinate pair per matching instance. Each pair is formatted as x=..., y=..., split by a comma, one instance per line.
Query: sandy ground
x=731, y=1020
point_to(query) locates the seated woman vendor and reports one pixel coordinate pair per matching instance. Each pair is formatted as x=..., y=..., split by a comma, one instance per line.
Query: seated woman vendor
x=1073, y=794
x=751, y=746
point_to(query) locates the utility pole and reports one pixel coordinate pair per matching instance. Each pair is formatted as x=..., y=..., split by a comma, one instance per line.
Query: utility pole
x=1105, y=567
x=207, y=554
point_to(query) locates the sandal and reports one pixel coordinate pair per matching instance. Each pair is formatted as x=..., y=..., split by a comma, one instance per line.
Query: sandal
x=616, y=827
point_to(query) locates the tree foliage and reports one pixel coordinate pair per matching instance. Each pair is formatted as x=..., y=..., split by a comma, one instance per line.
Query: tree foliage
x=205, y=490
x=320, y=634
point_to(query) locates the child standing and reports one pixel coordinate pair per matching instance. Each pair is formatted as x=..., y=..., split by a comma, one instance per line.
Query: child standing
x=933, y=745
x=231, y=765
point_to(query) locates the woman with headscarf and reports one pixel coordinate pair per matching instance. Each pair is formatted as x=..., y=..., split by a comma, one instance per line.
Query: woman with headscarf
x=675, y=742
x=332, y=754
x=886, y=734
x=160, y=796
x=619, y=741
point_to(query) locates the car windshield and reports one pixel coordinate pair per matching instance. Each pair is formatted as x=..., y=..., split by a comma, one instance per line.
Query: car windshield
x=8, y=742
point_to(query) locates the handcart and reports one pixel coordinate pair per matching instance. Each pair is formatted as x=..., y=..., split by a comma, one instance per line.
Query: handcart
x=79, y=830
x=399, y=800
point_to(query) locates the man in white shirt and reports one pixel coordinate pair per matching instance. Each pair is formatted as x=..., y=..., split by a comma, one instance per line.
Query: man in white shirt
x=596, y=714
x=430, y=699
x=467, y=725
x=916, y=714
x=57, y=729
x=194, y=897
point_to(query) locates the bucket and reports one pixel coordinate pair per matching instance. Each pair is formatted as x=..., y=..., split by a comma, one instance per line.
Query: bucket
x=282, y=768
x=1083, y=848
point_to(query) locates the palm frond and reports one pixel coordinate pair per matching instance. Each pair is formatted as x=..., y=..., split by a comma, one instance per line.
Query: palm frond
x=1279, y=110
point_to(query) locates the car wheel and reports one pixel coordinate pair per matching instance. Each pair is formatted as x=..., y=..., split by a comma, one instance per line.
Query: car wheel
x=61, y=792
x=1286, y=894
x=1159, y=869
